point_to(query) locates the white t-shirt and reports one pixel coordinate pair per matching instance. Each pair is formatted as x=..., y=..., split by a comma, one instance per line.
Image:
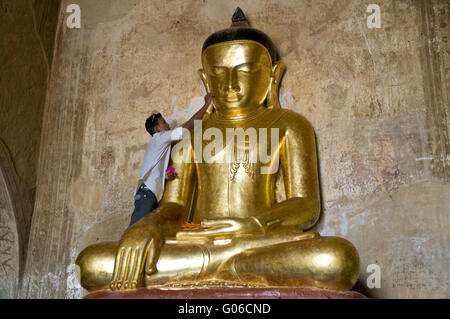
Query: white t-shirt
x=156, y=159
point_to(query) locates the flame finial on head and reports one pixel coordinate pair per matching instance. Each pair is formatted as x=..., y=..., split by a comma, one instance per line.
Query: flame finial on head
x=239, y=19
x=240, y=30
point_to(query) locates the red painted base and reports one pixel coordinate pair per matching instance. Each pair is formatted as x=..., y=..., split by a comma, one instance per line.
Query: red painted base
x=229, y=293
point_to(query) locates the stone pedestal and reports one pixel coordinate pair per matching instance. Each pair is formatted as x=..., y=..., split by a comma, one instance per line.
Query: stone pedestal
x=228, y=293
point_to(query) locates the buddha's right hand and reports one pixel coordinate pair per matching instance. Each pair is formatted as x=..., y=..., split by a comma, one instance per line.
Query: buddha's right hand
x=139, y=248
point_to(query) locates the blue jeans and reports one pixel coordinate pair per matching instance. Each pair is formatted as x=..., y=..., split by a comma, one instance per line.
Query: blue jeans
x=144, y=202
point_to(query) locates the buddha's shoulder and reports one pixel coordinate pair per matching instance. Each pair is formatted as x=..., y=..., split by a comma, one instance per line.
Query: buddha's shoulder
x=290, y=119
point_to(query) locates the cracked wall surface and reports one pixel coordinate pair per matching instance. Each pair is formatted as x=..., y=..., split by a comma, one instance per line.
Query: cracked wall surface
x=377, y=99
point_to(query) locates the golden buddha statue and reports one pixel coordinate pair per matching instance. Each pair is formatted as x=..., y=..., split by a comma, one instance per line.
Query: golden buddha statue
x=246, y=237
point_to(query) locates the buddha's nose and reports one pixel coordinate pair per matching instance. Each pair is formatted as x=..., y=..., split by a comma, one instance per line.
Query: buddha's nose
x=233, y=82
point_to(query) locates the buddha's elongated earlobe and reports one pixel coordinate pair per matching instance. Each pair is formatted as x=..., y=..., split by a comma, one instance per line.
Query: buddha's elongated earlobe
x=202, y=75
x=277, y=74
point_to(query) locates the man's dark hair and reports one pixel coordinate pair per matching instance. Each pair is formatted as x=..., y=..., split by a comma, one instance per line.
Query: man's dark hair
x=151, y=122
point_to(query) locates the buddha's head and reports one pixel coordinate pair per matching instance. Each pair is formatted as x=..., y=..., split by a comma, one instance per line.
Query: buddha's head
x=240, y=67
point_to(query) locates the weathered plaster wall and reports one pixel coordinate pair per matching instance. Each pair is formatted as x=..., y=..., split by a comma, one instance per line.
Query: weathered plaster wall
x=377, y=98
x=11, y=243
x=27, y=32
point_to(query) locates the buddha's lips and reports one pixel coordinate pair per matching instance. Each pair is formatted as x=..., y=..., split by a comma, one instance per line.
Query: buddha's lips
x=232, y=97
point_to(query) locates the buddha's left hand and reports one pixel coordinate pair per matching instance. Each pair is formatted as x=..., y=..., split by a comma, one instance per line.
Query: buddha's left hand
x=223, y=227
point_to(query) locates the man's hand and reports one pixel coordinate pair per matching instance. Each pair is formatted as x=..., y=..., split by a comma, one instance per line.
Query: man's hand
x=208, y=99
x=223, y=227
x=139, y=247
x=170, y=176
x=199, y=115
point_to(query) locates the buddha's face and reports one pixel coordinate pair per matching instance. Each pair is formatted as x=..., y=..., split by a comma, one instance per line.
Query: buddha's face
x=237, y=73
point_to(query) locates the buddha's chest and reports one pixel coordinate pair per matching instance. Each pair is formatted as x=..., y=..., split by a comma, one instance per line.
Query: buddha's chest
x=235, y=146
x=237, y=166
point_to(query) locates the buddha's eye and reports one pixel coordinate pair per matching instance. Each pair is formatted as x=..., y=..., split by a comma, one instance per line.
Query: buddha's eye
x=248, y=68
x=218, y=71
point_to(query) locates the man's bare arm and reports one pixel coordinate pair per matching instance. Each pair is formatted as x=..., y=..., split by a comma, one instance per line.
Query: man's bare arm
x=199, y=115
